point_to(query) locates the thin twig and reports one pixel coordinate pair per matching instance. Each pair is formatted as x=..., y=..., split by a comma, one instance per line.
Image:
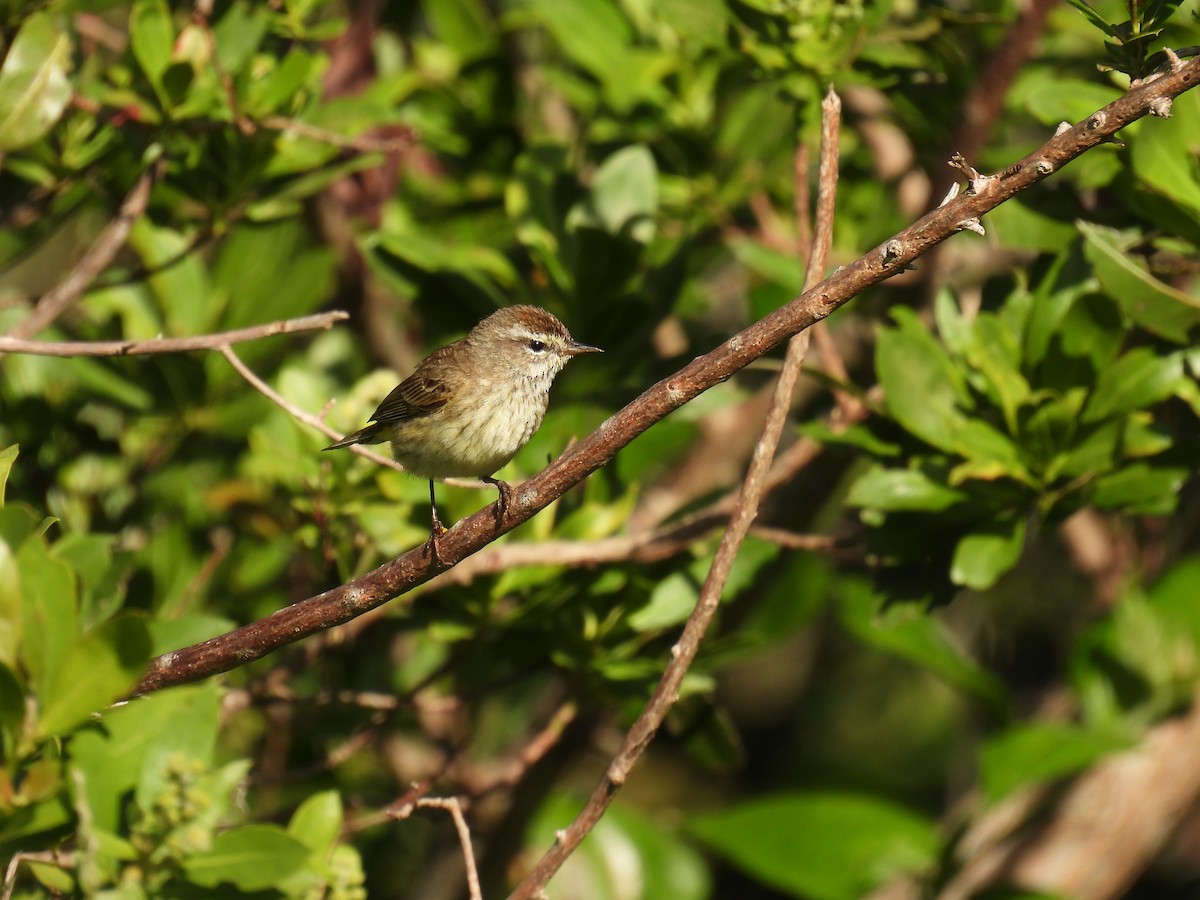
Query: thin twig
x=661, y=544
x=452, y=806
x=531, y=751
x=110, y=240
x=402, y=138
x=217, y=341
x=409, y=570
x=745, y=511
x=299, y=414
x=51, y=857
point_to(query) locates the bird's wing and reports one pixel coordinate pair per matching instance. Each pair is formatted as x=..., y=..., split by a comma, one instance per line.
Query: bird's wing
x=417, y=395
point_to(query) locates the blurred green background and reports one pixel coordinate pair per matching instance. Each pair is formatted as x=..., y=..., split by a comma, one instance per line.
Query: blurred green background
x=1007, y=590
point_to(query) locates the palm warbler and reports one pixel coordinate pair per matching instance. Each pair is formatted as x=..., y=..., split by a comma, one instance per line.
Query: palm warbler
x=470, y=406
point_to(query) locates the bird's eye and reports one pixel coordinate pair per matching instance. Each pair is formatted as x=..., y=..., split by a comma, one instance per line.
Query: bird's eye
x=537, y=346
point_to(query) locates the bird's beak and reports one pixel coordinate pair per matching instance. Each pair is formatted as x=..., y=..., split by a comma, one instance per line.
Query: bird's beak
x=575, y=348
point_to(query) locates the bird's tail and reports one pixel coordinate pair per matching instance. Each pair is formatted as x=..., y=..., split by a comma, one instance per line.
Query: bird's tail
x=368, y=435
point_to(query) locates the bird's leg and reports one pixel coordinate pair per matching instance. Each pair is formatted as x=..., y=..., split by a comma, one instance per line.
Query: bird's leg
x=437, y=530
x=505, y=490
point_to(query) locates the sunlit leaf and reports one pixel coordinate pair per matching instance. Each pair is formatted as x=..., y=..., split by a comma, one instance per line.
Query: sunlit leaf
x=985, y=554
x=35, y=85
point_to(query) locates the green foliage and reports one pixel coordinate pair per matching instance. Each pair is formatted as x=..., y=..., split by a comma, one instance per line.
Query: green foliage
x=1128, y=43
x=1023, y=414
x=631, y=166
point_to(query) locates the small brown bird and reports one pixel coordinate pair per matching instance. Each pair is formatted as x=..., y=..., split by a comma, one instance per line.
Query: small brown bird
x=470, y=406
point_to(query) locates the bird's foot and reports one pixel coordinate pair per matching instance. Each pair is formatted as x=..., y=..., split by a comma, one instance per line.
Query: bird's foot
x=506, y=493
x=432, y=547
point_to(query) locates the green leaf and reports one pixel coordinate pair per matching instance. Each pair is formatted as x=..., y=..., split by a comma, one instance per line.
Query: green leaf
x=293, y=72
x=1138, y=379
x=825, y=845
x=1022, y=227
x=151, y=37
x=317, y=822
x=251, y=858
x=98, y=668
x=993, y=350
x=1141, y=489
x=464, y=25
x=129, y=752
x=982, y=556
x=909, y=632
x=775, y=266
x=1061, y=99
x=895, y=490
x=11, y=617
x=35, y=86
x=861, y=437
x=923, y=389
x=593, y=33
x=1145, y=658
x=992, y=454
x=1094, y=451
x=1095, y=18
x=58, y=880
x=623, y=199
x=12, y=710
x=952, y=325
x=670, y=603
x=1048, y=429
x=238, y=33
x=178, y=279
x=1039, y=752
x=1164, y=156
x=8, y=456
x=1157, y=307
x=49, y=614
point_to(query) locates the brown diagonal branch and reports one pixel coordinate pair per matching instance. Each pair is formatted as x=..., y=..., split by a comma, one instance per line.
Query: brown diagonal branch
x=345, y=602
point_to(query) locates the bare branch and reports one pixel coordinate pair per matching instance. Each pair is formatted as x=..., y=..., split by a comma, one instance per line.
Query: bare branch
x=316, y=322
x=345, y=602
x=110, y=240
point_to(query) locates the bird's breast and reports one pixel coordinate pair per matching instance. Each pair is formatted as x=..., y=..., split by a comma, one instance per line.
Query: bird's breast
x=472, y=436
